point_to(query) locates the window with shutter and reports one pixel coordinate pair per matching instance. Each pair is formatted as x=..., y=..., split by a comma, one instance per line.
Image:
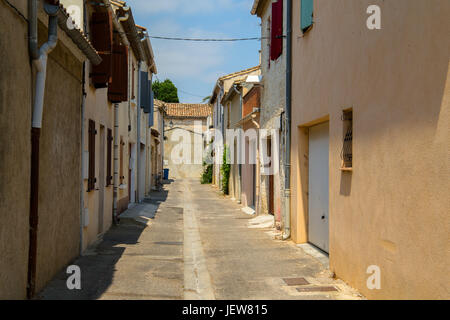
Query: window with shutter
x=102, y=39
x=91, y=145
x=306, y=15
x=118, y=86
x=276, y=38
x=109, y=177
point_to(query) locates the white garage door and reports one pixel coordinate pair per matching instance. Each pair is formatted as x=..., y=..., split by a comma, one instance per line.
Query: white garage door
x=318, y=185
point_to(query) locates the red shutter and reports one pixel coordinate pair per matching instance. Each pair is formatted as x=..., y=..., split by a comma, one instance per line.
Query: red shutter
x=118, y=86
x=102, y=39
x=109, y=177
x=91, y=180
x=276, y=45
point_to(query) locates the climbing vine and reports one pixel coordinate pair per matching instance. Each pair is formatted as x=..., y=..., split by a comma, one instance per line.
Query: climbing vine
x=225, y=170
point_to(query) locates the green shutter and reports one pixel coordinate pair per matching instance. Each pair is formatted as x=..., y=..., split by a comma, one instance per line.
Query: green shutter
x=307, y=7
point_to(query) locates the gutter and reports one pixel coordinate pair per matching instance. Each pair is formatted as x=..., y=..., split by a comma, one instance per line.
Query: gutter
x=39, y=61
x=287, y=157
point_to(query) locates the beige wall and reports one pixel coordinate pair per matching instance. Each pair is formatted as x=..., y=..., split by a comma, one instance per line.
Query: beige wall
x=15, y=151
x=59, y=210
x=392, y=211
x=181, y=171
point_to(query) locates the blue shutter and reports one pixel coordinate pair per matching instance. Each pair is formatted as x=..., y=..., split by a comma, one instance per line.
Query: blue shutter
x=150, y=120
x=307, y=8
x=144, y=90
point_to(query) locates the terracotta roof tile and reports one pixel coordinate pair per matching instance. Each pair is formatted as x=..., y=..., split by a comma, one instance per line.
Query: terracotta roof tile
x=187, y=110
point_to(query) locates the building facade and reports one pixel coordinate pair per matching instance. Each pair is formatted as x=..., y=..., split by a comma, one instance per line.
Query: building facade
x=273, y=93
x=370, y=140
x=40, y=232
x=184, y=139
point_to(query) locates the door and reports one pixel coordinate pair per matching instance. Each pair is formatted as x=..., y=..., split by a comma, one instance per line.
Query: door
x=318, y=227
x=102, y=180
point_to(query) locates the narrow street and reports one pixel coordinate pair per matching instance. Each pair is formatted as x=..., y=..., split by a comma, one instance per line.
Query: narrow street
x=190, y=242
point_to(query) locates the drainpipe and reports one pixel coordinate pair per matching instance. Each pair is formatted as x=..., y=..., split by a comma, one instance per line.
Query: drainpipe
x=116, y=23
x=117, y=139
x=130, y=71
x=39, y=60
x=116, y=163
x=83, y=111
x=138, y=135
x=288, y=111
x=239, y=165
x=258, y=173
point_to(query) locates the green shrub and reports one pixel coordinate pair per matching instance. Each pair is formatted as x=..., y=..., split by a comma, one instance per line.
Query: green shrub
x=225, y=170
x=207, y=174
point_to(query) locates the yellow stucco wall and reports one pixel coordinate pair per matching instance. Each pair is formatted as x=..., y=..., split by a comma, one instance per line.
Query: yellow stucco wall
x=393, y=210
x=15, y=126
x=59, y=214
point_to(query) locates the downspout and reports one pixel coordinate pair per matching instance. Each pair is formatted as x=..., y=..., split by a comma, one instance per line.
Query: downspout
x=117, y=142
x=258, y=173
x=288, y=111
x=239, y=145
x=116, y=163
x=138, y=135
x=130, y=71
x=39, y=60
x=83, y=112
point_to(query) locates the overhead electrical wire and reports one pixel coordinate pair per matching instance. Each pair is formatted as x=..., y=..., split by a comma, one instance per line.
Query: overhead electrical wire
x=206, y=39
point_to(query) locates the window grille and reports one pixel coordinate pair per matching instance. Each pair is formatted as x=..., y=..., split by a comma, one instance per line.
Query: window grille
x=347, y=149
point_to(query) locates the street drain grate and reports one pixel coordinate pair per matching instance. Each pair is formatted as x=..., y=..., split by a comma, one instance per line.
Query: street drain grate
x=296, y=281
x=317, y=289
x=168, y=243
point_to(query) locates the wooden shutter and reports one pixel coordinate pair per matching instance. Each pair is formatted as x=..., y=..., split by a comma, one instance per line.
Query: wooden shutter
x=306, y=15
x=109, y=177
x=152, y=106
x=118, y=86
x=102, y=39
x=276, y=44
x=144, y=91
x=92, y=132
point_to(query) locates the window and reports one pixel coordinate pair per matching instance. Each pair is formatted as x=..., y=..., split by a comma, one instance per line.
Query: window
x=306, y=15
x=91, y=145
x=347, y=148
x=276, y=34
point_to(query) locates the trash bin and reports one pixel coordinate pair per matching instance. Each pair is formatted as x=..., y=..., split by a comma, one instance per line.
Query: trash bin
x=166, y=174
